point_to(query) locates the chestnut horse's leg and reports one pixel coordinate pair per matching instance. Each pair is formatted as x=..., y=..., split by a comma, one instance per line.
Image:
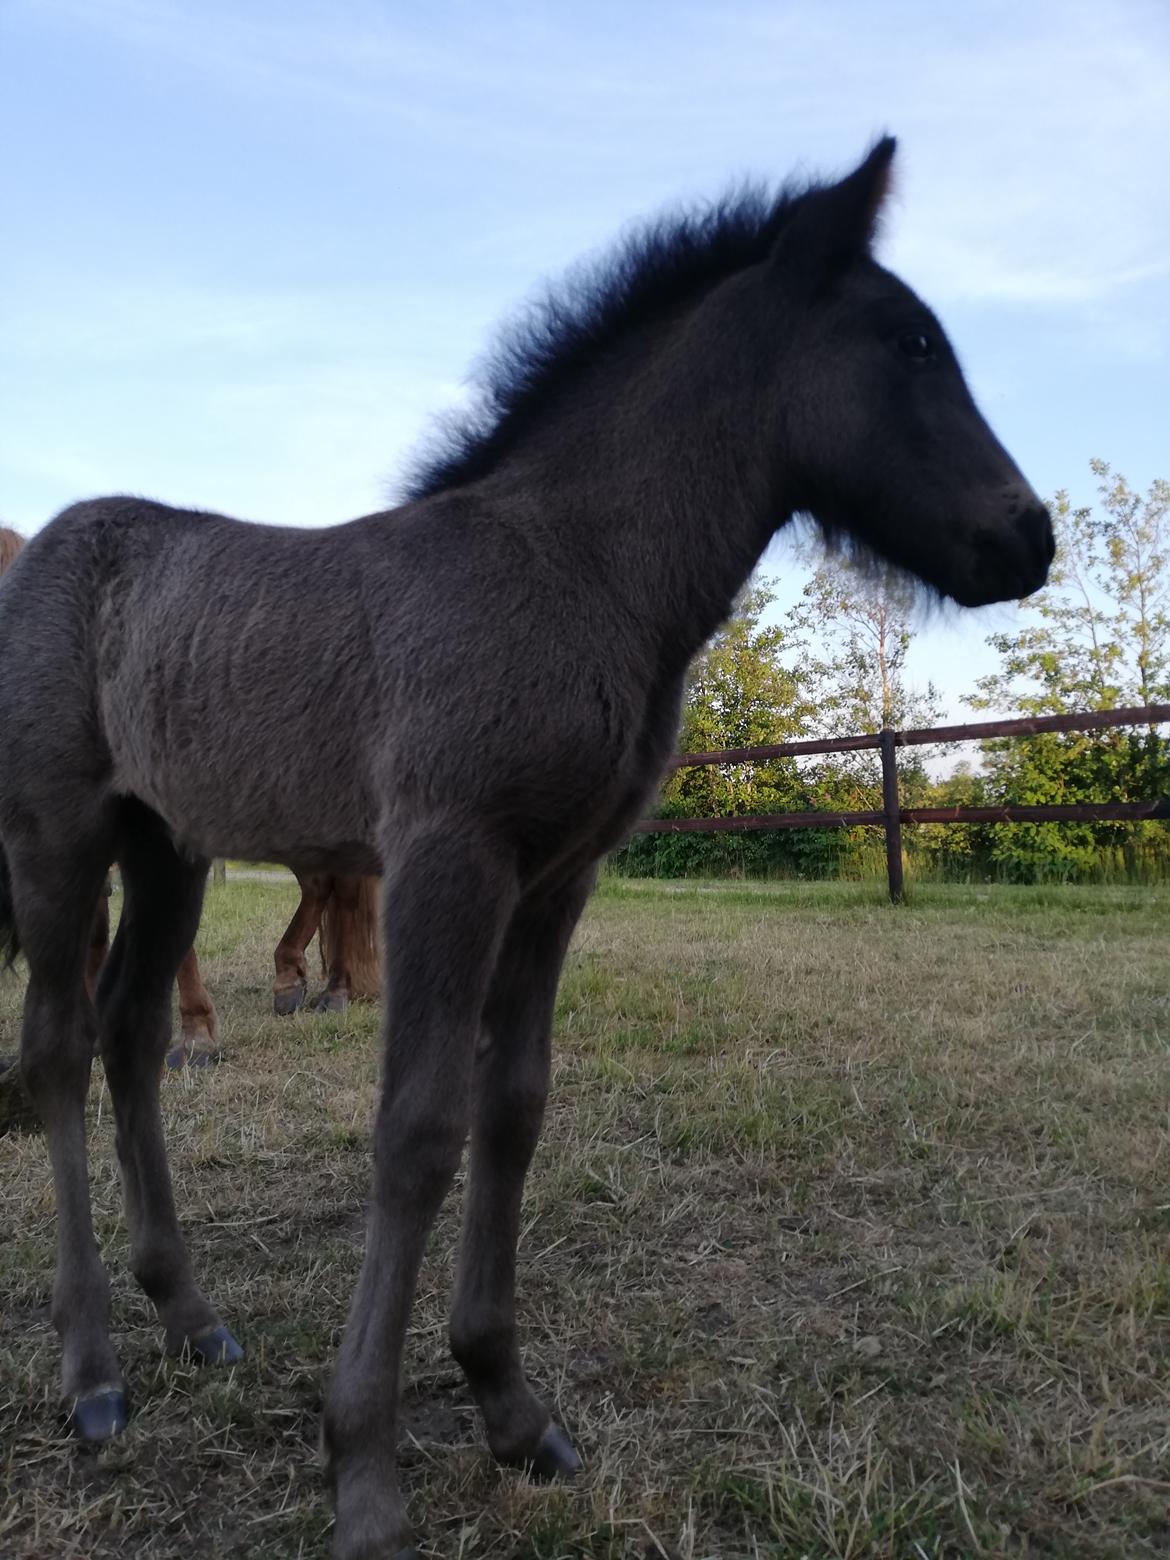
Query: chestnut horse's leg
x=199, y=1031
x=160, y=915
x=447, y=902
x=292, y=977
x=350, y=943
x=338, y=933
x=55, y=899
x=511, y=1082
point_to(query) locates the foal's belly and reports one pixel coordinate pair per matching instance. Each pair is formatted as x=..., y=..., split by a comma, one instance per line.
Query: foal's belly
x=261, y=793
x=329, y=789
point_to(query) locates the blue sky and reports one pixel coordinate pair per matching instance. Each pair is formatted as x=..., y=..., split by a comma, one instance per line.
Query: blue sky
x=251, y=249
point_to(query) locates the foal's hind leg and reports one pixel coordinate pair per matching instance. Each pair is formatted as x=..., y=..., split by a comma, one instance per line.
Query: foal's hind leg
x=55, y=899
x=448, y=901
x=164, y=894
x=99, y=942
x=511, y=1083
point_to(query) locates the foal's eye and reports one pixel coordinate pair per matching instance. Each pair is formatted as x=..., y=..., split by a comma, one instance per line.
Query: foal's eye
x=916, y=345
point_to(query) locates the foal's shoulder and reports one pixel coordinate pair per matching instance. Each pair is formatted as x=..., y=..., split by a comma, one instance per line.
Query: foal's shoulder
x=122, y=512
x=124, y=527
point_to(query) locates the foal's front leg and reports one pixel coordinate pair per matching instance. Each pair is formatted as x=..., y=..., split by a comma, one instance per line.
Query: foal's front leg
x=511, y=1084
x=447, y=903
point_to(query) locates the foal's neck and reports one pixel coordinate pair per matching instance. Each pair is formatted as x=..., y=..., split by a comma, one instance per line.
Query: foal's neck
x=657, y=481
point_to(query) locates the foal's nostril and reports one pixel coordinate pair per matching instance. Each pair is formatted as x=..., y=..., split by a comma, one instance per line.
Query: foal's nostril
x=1036, y=526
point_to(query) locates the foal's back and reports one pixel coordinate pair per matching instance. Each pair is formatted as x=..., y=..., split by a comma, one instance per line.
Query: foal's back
x=203, y=665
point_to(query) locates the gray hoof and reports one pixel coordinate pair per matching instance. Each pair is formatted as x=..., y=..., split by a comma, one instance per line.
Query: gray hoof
x=332, y=1002
x=285, y=1003
x=554, y=1457
x=217, y=1347
x=183, y=1055
x=100, y=1415
x=17, y=1111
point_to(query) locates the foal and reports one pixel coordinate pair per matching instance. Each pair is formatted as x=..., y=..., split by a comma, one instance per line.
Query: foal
x=510, y=667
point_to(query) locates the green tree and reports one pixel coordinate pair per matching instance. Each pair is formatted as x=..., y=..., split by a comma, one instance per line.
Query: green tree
x=1098, y=638
x=863, y=626
x=858, y=627
x=1100, y=635
x=953, y=851
x=741, y=692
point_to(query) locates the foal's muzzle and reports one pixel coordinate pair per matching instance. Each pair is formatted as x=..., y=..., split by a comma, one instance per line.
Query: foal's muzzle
x=1038, y=544
x=1010, y=558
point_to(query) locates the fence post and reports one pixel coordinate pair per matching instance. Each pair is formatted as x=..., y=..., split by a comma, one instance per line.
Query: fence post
x=219, y=870
x=892, y=810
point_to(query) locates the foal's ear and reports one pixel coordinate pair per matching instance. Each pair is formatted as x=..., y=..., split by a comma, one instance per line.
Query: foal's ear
x=829, y=227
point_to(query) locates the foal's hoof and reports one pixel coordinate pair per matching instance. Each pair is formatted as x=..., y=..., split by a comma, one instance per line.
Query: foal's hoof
x=285, y=1003
x=554, y=1457
x=100, y=1415
x=17, y=1111
x=216, y=1347
x=331, y=1002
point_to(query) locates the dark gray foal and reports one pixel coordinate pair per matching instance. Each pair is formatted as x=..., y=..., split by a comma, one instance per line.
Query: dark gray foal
x=509, y=648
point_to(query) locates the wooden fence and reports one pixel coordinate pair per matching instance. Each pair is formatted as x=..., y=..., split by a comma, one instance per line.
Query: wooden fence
x=892, y=815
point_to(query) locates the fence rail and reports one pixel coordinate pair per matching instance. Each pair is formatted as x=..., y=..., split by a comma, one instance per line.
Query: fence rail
x=892, y=815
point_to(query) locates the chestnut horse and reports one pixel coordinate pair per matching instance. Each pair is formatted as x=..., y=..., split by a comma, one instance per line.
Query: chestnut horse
x=344, y=908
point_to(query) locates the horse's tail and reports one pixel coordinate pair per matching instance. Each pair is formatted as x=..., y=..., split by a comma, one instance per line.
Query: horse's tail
x=365, y=963
x=11, y=543
x=9, y=941
x=367, y=942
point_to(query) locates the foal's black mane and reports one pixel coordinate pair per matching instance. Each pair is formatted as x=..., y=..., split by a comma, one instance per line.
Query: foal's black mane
x=661, y=267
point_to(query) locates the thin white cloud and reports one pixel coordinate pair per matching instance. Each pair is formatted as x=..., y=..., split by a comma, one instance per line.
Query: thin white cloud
x=1033, y=135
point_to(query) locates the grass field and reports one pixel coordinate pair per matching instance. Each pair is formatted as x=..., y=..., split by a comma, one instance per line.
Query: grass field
x=849, y=1236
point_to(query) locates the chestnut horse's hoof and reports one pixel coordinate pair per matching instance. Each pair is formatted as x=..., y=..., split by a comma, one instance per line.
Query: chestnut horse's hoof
x=289, y=1001
x=99, y=1415
x=554, y=1457
x=186, y=1055
x=331, y=1002
x=216, y=1347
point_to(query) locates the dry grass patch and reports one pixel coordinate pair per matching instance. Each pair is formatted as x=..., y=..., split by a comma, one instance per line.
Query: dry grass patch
x=849, y=1236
